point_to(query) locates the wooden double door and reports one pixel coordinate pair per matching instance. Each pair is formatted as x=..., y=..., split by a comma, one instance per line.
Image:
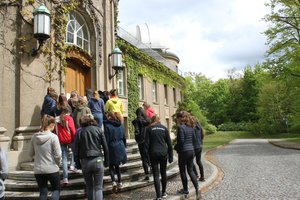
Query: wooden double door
x=77, y=78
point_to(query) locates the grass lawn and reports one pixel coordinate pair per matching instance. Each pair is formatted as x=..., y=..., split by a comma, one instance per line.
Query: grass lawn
x=220, y=138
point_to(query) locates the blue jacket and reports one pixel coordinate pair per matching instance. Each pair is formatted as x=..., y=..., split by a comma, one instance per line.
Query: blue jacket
x=96, y=106
x=116, y=141
x=198, y=143
x=185, y=138
x=48, y=106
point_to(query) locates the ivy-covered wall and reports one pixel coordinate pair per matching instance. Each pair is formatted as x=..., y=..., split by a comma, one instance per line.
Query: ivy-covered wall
x=139, y=63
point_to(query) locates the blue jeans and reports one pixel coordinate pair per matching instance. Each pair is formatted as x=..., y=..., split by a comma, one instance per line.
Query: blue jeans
x=93, y=172
x=42, y=181
x=99, y=119
x=64, y=155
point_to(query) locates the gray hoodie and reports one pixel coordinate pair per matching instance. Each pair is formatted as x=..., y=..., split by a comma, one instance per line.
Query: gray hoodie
x=46, y=149
x=3, y=171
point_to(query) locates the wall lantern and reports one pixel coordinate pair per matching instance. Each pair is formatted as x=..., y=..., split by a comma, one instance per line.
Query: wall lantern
x=116, y=61
x=41, y=30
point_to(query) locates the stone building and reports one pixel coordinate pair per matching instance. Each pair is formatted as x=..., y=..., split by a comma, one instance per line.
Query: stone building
x=75, y=57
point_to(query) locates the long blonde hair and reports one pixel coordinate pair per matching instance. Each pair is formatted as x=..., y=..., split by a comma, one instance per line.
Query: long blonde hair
x=96, y=95
x=46, y=121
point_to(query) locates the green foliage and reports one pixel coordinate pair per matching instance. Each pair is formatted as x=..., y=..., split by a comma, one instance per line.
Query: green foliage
x=133, y=95
x=210, y=129
x=137, y=63
x=151, y=68
x=283, y=35
x=231, y=126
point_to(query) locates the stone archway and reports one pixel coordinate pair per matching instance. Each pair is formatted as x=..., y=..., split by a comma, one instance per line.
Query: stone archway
x=78, y=72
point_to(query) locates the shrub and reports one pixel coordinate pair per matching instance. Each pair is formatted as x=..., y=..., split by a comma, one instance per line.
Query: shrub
x=210, y=129
x=231, y=126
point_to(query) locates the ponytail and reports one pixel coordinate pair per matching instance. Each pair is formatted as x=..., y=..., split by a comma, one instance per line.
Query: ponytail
x=46, y=121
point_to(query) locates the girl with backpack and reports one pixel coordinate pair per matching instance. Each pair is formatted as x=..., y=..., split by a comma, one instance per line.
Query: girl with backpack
x=66, y=132
x=140, y=124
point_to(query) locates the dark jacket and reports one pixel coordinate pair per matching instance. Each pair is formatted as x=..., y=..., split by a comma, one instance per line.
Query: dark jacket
x=89, y=142
x=158, y=142
x=116, y=141
x=185, y=138
x=48, y=106
x=140, y=124
x=96, y=106
x=198, y=135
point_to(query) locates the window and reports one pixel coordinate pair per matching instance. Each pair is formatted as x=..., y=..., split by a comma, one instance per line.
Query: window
x=166, y=94
x=168, y=123
x=174, y=96
x=141, y=87
x=77, y=32
x=120, y=83
x=154, y=91
x=181, y=96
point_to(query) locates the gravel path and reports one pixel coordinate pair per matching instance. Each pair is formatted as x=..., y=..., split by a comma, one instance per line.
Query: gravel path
x=255, y=169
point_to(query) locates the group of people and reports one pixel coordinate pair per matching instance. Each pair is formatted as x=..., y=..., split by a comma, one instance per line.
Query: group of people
x=77, y=124
x=156, y=148
x=92, y=126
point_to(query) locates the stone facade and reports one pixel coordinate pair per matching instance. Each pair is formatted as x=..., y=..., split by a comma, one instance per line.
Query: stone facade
x=24, y=78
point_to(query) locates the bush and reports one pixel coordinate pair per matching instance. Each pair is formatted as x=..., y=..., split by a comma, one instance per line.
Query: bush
x=210, y=129
x=231, y=126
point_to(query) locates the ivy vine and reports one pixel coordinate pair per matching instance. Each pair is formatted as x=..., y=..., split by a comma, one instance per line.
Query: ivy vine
x=137, y=62
x=150, y=67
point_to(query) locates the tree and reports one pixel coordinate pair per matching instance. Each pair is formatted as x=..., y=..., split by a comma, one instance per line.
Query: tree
x=283, y=37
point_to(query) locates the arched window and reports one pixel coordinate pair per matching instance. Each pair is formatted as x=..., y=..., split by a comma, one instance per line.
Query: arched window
x=77, y=32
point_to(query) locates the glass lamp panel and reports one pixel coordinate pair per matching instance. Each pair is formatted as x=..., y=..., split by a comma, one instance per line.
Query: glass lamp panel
x=41, y=23
x=117, y=60
x=47, y=25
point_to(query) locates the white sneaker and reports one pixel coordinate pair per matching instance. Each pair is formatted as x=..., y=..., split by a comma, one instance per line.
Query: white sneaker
x=120, y=185
x=114, y=185
x=65, y=181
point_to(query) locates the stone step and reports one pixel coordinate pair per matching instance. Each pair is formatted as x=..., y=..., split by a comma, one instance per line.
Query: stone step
x=131, y=157
x=131, y=172
x=80, y=193
x=28, y=175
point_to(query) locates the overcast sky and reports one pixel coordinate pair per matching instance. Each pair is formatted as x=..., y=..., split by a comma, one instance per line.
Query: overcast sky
x=209, y=36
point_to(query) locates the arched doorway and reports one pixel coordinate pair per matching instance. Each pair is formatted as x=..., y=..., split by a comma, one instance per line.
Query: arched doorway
x=78, y=72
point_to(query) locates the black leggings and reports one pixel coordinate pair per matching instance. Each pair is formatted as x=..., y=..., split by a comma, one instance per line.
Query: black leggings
x=115, y=169
x=159, y=164
x=144, y=157
x=199, y=163
x=186, y=162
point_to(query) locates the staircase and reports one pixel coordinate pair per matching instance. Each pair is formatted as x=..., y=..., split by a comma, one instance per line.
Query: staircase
x=22, y=185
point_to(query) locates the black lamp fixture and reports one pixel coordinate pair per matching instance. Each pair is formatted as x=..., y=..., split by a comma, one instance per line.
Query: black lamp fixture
x=41, y=30
x=116, y=61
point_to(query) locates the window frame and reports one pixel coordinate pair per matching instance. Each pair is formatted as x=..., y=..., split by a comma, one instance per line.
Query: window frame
x=80, y=31
x=166, y=92
x=174, y=97
x=141, y=87
x=154, y=92
x=121, y=81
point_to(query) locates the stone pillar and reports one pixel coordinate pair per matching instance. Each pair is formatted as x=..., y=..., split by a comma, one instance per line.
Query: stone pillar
x=4, y=140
